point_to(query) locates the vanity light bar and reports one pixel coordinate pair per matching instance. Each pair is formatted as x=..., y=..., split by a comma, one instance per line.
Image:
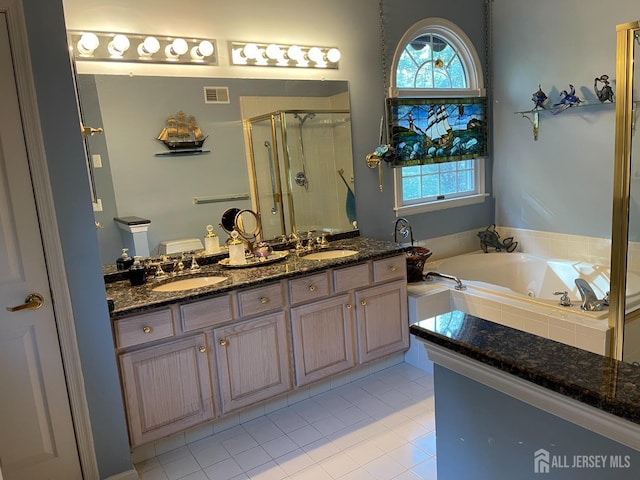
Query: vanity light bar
x=279, y=55
x=143, y=48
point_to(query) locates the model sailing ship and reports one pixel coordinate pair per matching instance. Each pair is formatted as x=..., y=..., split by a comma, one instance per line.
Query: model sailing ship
x=182, y=133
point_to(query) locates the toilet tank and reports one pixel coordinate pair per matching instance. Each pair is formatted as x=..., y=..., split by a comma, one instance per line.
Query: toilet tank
x=168, y=247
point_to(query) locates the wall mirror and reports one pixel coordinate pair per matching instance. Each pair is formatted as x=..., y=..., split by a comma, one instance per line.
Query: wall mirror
x=303, y=180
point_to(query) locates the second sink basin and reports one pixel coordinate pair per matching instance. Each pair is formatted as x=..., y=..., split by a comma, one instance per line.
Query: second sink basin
x=329, y=254
x=188, y=283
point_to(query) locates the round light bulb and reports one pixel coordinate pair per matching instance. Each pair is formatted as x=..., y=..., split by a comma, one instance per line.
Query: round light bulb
x=333, y=55
x=88, y=43
x=294, y=52
x=315, y=55
x=150, y=46
x=205, y=48
x=273, y=52
x=118, y=45
x=179, y=46
x=251, y=51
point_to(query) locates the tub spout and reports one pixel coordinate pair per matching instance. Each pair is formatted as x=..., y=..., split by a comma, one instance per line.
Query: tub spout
x=590, y=301
x=459, y=285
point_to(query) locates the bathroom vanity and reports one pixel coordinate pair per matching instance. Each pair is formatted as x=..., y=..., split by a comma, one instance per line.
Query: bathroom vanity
x=191, y=356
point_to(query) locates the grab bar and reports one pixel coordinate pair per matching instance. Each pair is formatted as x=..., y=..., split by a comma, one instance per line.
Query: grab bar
x=459, y=285
x=274, y=209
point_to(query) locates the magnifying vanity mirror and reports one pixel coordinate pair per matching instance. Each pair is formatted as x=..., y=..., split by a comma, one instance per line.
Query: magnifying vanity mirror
x=300, y=182
x=245, y=222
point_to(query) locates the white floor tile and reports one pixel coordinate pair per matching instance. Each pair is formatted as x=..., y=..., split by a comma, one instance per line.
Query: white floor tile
x=378, y=427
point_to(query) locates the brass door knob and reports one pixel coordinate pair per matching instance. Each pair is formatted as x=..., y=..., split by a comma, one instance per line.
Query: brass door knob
x=223, y=342
x=32, y=302
x=363, y=303
x=202, y=349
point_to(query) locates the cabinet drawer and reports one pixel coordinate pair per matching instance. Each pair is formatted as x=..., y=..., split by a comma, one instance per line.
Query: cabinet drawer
x=259, y=300
x=351, y=277
x=144, y=328
x=309, y=288
x=392, y=268
x=199, y=315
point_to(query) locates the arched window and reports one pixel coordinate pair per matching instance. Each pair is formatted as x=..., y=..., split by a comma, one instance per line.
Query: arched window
x=435, y=59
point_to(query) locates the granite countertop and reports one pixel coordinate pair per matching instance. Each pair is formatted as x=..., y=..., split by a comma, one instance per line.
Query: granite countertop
x=604, y=383
x=127, y=299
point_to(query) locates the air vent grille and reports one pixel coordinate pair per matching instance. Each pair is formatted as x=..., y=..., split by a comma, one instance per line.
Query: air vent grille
x=216, y=94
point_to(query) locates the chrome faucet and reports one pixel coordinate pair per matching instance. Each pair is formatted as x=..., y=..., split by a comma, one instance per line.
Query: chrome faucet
x=590, y=301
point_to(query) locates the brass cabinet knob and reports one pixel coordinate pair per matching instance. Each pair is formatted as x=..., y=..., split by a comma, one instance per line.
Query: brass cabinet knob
x=223, y=342
x=312, y=288
x=202, y=349
x=264, y=300
x=349, y=306
x=147, y=329
x=363, y=303
x=393, y=268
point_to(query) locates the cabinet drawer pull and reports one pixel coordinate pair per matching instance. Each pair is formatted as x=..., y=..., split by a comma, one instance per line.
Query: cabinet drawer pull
x=349, y=306
x=202, y=349
x=264, y=300
x=312, y=288
x=363, y=303
x=223, y=342
x=393, y=268
x=147, y=329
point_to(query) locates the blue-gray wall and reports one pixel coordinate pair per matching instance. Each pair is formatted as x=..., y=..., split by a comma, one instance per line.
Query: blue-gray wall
x=483, y=434
x=65, y=158
x=563, y=181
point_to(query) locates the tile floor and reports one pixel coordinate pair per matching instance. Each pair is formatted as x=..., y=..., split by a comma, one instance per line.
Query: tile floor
x=380, y=427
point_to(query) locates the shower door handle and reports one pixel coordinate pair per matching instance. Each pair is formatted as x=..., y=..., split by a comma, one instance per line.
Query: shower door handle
x=276, y=196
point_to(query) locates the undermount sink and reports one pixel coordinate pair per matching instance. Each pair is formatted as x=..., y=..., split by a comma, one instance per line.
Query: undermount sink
x=330, y=254
x=188, y=284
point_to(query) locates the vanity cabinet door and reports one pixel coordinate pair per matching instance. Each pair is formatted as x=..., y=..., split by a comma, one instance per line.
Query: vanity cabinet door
x=167, y=388
x=382, y=323
x=323, y=338
x=253, y=359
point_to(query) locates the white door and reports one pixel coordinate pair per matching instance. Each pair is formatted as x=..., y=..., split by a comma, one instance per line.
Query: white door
x=37, y=438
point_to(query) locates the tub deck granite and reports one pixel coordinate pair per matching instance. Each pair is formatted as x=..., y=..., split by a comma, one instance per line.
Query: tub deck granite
x=129, y=300
x=601, y=382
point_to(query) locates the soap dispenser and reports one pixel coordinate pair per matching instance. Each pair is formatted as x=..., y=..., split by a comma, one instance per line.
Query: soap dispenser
x=137, y=272
x=211, y=241
x=236, y=250
x=124, y=261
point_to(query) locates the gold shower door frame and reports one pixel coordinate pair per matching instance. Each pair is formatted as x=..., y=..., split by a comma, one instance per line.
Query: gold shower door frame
x=622, y=185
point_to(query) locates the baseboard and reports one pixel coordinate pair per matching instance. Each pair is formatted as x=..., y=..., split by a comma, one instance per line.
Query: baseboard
x=128, y=475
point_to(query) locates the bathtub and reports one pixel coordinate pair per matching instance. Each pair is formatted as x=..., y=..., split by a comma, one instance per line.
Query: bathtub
x=519, y=290
x=522, y=274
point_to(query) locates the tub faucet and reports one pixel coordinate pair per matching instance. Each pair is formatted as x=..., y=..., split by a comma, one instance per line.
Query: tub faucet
x=590, y=301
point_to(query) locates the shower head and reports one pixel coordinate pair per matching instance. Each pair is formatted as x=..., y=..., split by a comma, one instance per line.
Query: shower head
x=302, y=119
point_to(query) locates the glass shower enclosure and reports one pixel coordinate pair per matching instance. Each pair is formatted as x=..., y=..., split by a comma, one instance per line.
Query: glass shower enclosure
x=301, y=170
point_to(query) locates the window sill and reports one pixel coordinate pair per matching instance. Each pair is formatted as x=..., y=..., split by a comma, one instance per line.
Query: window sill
x=440, y=205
